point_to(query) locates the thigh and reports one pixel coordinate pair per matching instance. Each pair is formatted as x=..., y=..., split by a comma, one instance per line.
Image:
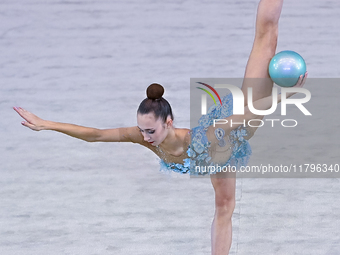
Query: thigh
x=256, y=74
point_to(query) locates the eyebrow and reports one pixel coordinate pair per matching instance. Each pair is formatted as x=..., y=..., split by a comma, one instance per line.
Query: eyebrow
x=148, y=129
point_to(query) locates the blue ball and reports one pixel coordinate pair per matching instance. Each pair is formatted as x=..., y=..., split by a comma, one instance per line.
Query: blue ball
x=286, y=67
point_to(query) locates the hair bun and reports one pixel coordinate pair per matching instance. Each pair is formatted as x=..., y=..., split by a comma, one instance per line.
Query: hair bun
x=155, y=91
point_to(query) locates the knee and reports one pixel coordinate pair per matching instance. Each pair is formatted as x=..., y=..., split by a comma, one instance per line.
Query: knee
x=225, y=206
x=224, y=195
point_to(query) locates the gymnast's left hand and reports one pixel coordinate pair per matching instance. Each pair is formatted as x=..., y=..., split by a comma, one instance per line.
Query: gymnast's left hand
x=301, y=82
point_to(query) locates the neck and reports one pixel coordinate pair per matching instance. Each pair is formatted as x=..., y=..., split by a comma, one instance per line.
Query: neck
x=171, y=141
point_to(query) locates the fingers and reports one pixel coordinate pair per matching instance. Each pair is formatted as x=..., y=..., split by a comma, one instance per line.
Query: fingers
x=301, y=81
x=27, y=124
x=20, y=111
x=17, y=108
x=23, y=113
x=304, y=79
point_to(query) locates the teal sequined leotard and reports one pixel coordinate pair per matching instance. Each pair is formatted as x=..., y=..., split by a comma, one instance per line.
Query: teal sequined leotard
x=198, y=150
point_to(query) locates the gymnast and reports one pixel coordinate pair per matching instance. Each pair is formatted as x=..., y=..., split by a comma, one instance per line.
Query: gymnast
x=180, y=148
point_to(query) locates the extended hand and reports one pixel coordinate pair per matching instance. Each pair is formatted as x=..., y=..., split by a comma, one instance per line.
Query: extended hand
x=32, y=121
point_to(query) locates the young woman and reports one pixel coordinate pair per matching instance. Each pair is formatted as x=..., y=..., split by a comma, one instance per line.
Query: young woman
x=212, y=145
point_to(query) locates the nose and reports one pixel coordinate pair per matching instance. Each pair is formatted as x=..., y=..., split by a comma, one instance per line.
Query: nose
x=146, y=137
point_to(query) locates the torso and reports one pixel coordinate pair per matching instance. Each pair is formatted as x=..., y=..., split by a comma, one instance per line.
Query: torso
x=218, y=154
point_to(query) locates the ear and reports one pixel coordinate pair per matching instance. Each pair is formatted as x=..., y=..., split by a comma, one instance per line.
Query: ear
x=169, y=122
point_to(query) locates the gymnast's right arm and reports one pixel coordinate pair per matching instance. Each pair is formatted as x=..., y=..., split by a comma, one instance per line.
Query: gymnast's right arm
x=88, y=134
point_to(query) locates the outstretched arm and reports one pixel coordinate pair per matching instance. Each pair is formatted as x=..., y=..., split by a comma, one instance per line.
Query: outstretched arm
x=87, y=134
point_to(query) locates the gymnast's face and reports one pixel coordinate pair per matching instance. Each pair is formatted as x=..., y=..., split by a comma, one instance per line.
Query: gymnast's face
x=153, y=130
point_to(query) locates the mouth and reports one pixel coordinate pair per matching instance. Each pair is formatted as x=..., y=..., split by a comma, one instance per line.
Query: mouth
x=151, y=142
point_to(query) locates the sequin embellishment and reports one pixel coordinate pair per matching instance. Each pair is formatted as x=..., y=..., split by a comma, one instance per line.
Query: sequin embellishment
x=220, y=133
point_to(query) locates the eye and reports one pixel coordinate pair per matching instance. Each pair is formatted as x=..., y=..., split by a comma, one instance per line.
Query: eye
x=151, y=132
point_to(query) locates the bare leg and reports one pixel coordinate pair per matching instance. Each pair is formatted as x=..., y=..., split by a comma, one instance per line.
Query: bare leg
x=264, y=47
x=221, y=229
x=263, y=50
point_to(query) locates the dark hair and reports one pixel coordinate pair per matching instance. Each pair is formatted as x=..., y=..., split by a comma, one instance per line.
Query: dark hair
x=156, y=103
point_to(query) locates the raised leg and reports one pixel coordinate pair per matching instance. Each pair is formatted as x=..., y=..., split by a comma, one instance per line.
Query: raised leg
x=264, y=47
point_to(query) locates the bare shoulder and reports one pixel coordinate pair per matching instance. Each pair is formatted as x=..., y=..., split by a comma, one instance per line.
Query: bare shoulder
x=184, y=135
x=182, y=132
